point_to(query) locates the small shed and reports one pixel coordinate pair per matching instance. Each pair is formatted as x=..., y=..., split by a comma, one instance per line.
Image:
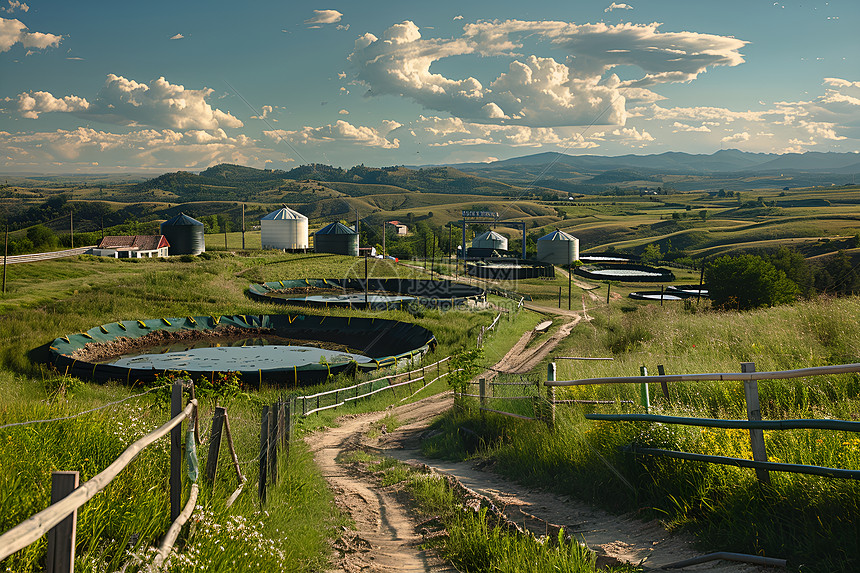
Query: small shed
x=284, y=229
x=336, y=238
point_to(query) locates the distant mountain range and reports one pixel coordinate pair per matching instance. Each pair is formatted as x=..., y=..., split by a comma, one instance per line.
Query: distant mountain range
x=677, y=163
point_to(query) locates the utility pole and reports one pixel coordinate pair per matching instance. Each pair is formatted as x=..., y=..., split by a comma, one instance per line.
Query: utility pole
x=5, y=254
x=433, y=260
x=365, y=280
x=243, y=226
x=384, y=223
x=569, y=282
x=425, y=252
x=72, y=226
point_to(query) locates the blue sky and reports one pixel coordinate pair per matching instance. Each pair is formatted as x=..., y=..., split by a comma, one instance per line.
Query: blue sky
x=161, y=86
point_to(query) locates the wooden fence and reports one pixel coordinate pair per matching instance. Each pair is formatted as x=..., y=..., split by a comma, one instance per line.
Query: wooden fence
x=59, y=520
x=754, y=423
x=349, y=394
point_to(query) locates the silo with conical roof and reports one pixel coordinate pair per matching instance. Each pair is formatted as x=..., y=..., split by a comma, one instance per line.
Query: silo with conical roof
x=336, y=238
x=284, y=229
x=558, y=248
x=490, y=240
x=185, y=235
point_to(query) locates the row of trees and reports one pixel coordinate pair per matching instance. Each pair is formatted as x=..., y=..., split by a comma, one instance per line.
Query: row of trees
x=755, y=280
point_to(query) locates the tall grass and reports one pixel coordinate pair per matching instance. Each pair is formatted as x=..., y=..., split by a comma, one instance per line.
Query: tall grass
x=810, y=520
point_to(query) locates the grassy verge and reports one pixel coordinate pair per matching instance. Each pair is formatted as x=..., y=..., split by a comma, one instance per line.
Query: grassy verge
x=809, y=520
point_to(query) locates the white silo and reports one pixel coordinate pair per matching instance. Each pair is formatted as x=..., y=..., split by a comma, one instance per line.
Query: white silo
x=284, y=229
x=558, y=248
x=490, y=240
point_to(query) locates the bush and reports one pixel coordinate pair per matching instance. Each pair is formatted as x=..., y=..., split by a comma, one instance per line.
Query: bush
x=747, y=281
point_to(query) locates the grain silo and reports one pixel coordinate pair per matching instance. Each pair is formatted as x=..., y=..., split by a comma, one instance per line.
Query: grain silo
x=284, y=229
x=490, y=240
x=336, y=238
x=185, y=235
x=558, y=248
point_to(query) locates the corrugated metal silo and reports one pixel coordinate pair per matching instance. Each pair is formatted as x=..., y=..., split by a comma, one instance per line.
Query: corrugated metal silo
x=490, y=240
x=558, y=248
x=284, y=229
x=336, y=238
x=185, y=235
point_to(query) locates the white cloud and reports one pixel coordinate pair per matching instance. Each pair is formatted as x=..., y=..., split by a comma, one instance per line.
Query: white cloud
x=633, y=134
x=15, y=5
x=14, y=31
x=343, y=112
x=126, y=102
x=458, y=17
x=177, y=37
x=615, y=6
x=341, y=131
x=341, y=75
x=266, y=110
x=538, y=91
x=343, y=27
x=736, y=137
x=160, y=150
x=444, y=132
x=679, y=127
x=324, y=17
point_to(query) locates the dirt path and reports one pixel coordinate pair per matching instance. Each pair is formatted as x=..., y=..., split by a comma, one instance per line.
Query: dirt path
x=385, y=539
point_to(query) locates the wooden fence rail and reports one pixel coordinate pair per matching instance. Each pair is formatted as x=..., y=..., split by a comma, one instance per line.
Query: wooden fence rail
x=754, y=424
x=36, y=526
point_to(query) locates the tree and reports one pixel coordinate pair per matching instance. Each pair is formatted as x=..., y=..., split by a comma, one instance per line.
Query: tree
x=41, y=236
x=837, y=276
x=746, y=282
x=651, y=255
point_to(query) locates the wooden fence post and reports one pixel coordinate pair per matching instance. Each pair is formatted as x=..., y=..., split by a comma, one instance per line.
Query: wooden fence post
x=215, y=443
x=264, y=448
x=482, y=392
x=643, y=390
x=551, y=376
x=61, y=537
x=175, y=453
x=754, y=413
x=273, y=444
x=281, y=420
x=663, y=383
x=288, y=429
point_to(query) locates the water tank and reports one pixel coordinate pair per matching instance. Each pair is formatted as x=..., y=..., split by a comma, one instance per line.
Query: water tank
x=558, y=248
x=284, y=229
x=185, y=235
x=336, y=238
x=490, y=240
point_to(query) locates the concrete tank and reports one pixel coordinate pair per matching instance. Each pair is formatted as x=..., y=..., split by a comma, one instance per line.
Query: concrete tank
x=490, y=240
x=284, y=229
x=558, y=248
x=336, y=238
x=185, y=235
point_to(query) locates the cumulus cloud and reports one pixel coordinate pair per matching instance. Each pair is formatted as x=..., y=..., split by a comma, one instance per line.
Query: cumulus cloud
x=615, y=6
x=343, y=27
x=344, y=112
x=126, y=102
x=324, y=17
x=177, y=37
x=679, y=127
x=341, y=131
x=736, y=137
x=458, y=17
x=265, y=112
x=14, y=31
x=444, y=132
x=15, y=5
x=538, y=91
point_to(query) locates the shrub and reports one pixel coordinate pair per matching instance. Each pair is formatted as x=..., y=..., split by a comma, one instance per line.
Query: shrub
x=748, y=281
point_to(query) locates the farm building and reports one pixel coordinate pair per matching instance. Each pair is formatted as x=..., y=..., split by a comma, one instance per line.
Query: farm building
x=185, y=235
x=285, y=230
x=336, y=238
x=132, y=247
x=398, y=227
x=558, y=248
